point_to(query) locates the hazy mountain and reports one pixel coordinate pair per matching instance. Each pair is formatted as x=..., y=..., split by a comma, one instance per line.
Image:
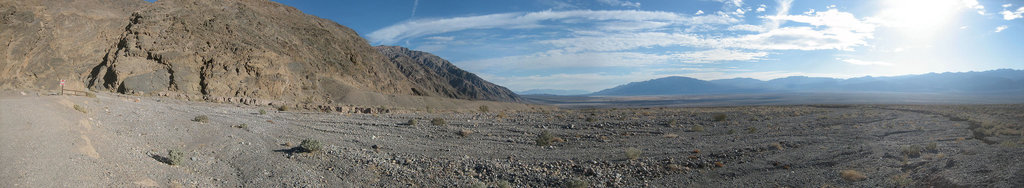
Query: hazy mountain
x=249, y=49
x=553, y=92
x=671, y=86
x=994, y=81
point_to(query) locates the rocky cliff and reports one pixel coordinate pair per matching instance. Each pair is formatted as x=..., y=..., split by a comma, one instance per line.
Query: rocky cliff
x=253, y=49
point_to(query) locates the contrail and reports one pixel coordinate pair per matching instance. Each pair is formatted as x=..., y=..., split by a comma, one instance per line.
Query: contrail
x=415, y=3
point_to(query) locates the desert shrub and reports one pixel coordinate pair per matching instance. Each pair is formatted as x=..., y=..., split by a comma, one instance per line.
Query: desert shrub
x=932, y=147
x=902, y=180
x=411, y=122
x=672, y=122
x=437, y=121
x=465, y=132
x=80, y=109
x=577, y=183
x=632, y=153
x=90, y=94
x=175, y=157
x=751, y=130
x=912, y=151
x=503, y=184
x=502, y=115
x=852, y=175
x=484, y=109
x=545, y=138
x=283, y=108
x=731, y=131
x=590, y=119
x=697, y=128
x=718, y=117
x=201, y=119
x=242, y=126
x=310, y=145
x=263, y=112
x=776, y=145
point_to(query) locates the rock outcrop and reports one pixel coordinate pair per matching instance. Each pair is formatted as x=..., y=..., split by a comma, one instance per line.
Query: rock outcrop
x=436, y=76
x=253, y=50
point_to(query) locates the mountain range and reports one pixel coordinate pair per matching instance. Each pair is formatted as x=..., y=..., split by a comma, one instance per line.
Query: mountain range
x=1001, y=81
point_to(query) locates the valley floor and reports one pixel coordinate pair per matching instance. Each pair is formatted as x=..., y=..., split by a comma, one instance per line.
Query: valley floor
x=122, y=141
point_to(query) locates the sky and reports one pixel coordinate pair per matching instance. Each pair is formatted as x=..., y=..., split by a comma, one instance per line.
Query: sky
x=598, y=44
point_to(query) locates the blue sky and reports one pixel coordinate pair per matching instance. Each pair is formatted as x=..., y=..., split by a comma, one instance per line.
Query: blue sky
x=597, y=44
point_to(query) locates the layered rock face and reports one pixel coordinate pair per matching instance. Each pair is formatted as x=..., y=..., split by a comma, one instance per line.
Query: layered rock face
x=42, y=42
x=250, y=49
x=436, y=76
x=254, y=49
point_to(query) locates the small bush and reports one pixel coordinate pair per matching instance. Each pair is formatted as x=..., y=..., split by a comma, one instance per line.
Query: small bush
x=263, y=112
x=545, y=138
x=90, y=94
x=503, y=184
x=718, y=117
x=697, y=128
x=309, y=146
x=751, y=130
x=175, y=157
x=80, y=109
x=632, y=153
x=731, y=131
x=852, y=175
x=411, y=122
x=912, y=151
x=484, y=109
x=242, y=126
x=437, y=121
x=283, y=108
x=577, y=183
x=672, y=122
x=201, y=119
x=932, y=147
x=465, y=132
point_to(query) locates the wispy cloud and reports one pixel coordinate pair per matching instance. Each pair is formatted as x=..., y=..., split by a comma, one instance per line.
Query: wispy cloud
x=1001, y=28
x=417, y=28
x=415, y=3
x=863, y=62
x=620, y=3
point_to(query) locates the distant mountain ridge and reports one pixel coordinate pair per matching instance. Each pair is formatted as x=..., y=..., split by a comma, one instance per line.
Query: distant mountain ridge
x=1001, y=80
x=553, y=92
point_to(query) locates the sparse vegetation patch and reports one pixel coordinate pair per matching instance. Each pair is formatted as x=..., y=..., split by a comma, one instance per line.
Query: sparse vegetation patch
x=175, y=157
x=437, y=121
x=310, y=145
x=545, y=138
x=852, y=175
x=80, y=109
x=201, y=119
x=632, y=153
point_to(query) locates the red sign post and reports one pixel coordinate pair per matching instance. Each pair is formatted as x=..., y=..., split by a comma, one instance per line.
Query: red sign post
x=61, y=86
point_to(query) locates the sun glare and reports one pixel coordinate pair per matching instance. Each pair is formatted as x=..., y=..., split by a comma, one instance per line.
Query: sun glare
x=918, y=18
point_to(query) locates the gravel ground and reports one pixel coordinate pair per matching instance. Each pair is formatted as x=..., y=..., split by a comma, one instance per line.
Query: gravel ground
x=123, y=141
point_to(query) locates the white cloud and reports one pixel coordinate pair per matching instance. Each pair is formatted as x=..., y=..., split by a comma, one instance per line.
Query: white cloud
x=1007, y=5
x=831, y=30
x=761, y=8
x=734, y=3
x=715, y=55
x=1008, y=15
x=440, y=38
x=620, y=3
x=974, y=5
x=865, y=63
x=740, y=11
x=699, y=12
x=417, y=28
x=1001, y=28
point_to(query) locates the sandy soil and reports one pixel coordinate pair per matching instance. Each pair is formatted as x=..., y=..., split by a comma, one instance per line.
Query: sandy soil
x=121, y=140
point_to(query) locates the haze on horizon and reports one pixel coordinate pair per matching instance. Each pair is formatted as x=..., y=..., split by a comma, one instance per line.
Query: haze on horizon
x=597, y=44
